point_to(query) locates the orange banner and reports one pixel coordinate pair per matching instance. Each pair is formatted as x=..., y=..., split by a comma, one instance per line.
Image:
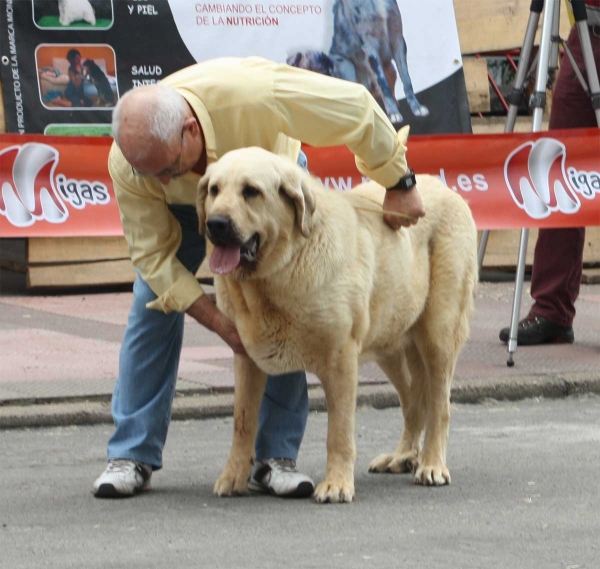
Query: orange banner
x=60, y=186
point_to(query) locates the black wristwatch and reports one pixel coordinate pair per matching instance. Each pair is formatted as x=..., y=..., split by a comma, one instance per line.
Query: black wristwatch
x=407, y=182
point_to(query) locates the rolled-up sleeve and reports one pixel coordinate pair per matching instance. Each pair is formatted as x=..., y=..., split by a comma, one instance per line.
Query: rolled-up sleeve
x=322, y=111
x=153, y=237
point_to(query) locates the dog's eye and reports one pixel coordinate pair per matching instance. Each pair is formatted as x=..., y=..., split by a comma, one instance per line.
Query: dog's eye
x=214, y=190
x=250, y=192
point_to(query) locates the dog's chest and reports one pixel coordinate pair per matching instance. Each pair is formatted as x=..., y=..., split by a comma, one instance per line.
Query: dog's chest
x=269, y=335
x=271, y=345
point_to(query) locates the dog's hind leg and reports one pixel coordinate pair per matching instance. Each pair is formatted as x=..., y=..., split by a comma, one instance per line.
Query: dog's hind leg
x=90, y=16
x=390, y=74
x=406, y=372
x=399, y=52
x=400, y=57
x=250, y=384
x=439, y=334
x=389, y=99
x=439, y=363
x=340, y=383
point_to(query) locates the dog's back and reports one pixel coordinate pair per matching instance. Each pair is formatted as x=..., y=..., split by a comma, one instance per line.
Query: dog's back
x=442, y=245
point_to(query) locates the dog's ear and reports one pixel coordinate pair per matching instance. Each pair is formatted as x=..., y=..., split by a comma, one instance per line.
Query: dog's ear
x=295, y=184
x=201, y=202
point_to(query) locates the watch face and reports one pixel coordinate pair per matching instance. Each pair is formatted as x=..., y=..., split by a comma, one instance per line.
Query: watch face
x=409, y=181
x=406, y=182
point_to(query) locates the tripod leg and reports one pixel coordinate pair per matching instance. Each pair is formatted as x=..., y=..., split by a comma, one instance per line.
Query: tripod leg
x=517, y=94
x=590, y=67
x=538, y=99
x=538, y=103
x=553, y=60
x=485, y=235
x=583, y=30
x=514, y=323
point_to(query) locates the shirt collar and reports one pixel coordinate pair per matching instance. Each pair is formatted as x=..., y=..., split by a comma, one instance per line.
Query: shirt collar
x=210, y=142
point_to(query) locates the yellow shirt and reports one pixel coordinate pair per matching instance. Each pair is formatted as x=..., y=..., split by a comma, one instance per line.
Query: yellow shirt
x=240, y=103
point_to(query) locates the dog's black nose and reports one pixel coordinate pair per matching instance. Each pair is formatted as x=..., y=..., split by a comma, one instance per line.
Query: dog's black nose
x=219, y=228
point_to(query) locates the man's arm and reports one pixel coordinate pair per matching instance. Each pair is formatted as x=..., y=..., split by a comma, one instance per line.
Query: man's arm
x=404, y=202
x=322, y=111
x=205, y=312
x=153, y=236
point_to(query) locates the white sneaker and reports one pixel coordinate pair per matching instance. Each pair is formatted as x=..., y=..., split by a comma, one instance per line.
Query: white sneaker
x=280, y=476
x=122, y=477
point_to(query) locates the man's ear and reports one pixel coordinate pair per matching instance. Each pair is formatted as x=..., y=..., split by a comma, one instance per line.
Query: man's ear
x=296, y=185
x=201, y=202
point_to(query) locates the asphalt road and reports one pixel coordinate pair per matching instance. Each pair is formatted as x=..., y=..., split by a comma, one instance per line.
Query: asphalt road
x=525, y=493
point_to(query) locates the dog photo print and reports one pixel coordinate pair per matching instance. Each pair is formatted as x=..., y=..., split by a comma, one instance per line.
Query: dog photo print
x=62, y=14
x=74, y=76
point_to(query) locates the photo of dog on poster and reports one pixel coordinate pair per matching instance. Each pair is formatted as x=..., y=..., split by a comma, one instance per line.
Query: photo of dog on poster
x=367, y=47
x=73, y=14
x=95, y=75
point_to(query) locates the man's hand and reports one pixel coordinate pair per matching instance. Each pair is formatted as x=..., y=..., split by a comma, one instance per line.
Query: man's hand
x=406, y=202
x=205, y=311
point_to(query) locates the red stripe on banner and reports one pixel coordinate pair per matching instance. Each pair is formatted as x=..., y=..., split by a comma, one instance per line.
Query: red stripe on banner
x=60, y=187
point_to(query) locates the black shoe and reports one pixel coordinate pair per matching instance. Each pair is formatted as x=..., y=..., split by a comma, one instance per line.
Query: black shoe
x=534, y=330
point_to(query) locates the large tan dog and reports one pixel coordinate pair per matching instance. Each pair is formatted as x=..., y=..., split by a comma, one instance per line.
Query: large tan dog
x=313, y=282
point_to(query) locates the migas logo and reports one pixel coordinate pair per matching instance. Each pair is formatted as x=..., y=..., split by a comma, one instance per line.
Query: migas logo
x=30, y=191
x=539, y=182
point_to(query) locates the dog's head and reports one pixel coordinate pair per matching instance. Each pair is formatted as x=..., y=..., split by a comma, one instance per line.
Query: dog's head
x=90, y=65
x=86, y=67
x=251, y=205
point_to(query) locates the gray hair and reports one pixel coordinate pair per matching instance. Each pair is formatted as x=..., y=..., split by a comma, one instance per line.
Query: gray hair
x=165, y=113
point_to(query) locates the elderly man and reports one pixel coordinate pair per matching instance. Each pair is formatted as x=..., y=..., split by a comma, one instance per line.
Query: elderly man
x=165, y=135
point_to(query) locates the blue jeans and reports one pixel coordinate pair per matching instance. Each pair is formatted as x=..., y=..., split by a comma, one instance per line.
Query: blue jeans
x=148, y=364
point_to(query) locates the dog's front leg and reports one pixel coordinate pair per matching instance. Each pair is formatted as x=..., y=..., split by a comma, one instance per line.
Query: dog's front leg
x=250, y=384
x=340, y=385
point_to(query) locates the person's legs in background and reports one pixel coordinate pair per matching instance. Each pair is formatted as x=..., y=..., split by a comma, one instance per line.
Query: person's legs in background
x=558, y=256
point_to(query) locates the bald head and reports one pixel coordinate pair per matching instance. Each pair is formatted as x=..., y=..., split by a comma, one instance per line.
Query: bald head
x=148, y=118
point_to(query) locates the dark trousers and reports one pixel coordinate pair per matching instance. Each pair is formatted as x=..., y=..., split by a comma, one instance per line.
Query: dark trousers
x=558, y=257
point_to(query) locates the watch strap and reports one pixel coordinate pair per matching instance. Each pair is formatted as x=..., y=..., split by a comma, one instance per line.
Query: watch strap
x=407, y=182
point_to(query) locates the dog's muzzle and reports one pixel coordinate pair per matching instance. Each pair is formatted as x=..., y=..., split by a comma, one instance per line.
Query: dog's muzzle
x=221, y=231
x=229, y=249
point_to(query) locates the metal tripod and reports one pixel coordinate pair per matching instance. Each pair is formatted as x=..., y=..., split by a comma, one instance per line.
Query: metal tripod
x=546, y=62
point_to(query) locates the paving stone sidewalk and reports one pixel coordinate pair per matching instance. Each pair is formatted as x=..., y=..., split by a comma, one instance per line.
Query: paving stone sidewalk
x=57, y=350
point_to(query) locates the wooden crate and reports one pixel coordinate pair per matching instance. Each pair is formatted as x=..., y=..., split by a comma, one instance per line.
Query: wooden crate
x=495, y=25
x=503, y=248
x=478, y=87
x=72, y=262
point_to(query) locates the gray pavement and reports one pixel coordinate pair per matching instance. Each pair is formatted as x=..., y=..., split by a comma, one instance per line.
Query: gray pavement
x=59, y=357
x=524, y=494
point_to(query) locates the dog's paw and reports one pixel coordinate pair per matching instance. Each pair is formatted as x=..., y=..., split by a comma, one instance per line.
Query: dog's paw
x=233, y=481
x=334, y=492
x=432, y=475
x=420, y=111
x=396, y=119
x=394, y=463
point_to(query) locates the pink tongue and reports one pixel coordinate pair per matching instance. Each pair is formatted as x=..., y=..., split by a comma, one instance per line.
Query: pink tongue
x=224, y=260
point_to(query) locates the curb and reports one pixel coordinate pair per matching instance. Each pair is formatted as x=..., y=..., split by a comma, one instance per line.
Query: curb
x=382, y=396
